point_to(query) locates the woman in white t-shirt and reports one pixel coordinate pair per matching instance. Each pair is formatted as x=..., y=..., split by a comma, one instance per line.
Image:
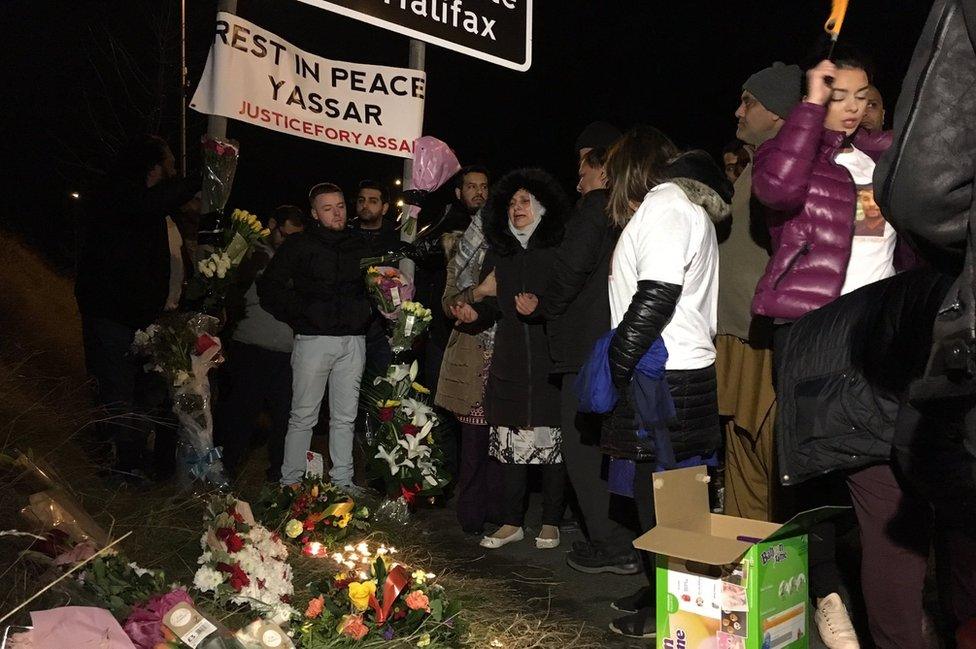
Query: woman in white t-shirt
x=663, y=282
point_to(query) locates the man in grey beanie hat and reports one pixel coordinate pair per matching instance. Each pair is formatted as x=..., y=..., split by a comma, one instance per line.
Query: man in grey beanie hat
x=745, y=386
x=768, y=96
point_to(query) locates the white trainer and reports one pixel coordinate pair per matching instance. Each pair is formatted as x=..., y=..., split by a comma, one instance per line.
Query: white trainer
x=834, y=623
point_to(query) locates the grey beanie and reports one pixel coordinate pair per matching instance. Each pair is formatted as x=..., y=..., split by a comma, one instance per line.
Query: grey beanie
x=777, y=87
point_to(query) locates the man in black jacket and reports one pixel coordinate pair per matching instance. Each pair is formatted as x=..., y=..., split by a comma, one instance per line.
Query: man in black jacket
x=314, y=284
x=382, y=236
x=122, y=286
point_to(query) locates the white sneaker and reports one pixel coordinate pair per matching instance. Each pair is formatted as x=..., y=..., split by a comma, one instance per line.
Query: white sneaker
x=834, y=623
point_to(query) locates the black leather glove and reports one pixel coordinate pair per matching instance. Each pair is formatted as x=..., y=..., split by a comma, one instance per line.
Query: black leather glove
x=650, y=310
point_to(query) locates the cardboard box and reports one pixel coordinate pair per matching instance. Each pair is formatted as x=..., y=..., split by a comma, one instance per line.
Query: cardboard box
x=725, y=582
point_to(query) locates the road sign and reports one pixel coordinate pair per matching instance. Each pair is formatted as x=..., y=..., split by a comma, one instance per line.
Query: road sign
x=498, y=31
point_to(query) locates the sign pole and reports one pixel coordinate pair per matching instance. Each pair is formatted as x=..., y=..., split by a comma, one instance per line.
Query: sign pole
x=217, y=124
x=408, y=229
x=183, y=83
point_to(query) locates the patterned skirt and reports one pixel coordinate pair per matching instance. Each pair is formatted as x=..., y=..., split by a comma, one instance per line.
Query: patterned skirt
x=539, y=445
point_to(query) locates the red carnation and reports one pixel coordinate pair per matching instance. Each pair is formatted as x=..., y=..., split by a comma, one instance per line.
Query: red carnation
x=386, y=414
x=410, y=429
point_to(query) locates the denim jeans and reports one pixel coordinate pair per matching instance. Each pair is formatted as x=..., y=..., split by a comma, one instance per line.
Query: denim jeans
x=317, y=362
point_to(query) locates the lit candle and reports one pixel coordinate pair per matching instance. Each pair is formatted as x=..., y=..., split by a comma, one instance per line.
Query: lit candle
x=313, y=549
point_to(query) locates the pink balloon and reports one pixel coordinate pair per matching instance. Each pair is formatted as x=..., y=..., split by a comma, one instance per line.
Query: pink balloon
x=433, y=163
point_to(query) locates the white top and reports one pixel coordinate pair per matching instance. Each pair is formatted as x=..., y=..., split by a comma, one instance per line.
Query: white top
x=670, y=239
x=873, y=247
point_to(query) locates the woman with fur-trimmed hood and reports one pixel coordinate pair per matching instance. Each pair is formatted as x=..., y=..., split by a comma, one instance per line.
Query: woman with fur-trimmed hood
x=523, y=222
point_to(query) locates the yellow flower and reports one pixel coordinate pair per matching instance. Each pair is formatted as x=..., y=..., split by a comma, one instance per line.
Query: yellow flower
x=424, y=640
x=265, y=232
x=419, y=388
x=315, y=491
x=419, y=576
x=293, y=528
x=360, y=592
x=344, y=520
x=390, y=403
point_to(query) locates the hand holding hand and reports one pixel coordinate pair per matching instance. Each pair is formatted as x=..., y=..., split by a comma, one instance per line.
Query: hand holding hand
x=464, y=313
x=526, y=303
x=487, y=288
x=819, y=80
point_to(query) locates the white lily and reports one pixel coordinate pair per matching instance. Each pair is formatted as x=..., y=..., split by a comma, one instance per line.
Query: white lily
x=419, y=412
x=414, y=370
x=414, y=448
x=390, y=459
x=394, y=375
x=425, y=431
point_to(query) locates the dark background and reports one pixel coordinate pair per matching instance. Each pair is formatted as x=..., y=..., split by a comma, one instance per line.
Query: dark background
x=79, y=77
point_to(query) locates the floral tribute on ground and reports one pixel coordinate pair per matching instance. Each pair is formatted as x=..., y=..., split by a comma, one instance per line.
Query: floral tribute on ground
x=314, y=515
x=403, y=425
x=373, y=595
x=244, y=562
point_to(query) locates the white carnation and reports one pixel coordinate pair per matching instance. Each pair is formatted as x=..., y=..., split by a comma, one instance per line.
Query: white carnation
x=207, y=579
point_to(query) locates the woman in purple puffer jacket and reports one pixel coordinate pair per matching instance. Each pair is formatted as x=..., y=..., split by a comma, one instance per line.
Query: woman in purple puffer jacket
x=829, y=238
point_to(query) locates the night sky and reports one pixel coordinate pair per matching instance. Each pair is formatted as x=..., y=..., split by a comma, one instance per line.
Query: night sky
x=678, y=66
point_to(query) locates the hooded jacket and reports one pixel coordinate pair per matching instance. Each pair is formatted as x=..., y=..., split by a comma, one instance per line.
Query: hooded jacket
x=519, y=392
x=314, y=283
x=814, y=201
x=695, y=430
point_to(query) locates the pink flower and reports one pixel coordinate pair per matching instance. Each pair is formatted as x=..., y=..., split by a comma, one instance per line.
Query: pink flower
x=315, y=607
x=352, y=626
x=144, y=626
x=417, y=600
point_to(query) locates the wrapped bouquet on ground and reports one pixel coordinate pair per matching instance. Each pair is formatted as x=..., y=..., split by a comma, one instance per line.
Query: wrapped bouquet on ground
x=373, y=595
x=244, y=562
x=313, y=514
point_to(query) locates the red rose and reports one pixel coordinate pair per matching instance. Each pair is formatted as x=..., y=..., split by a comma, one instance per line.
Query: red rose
x=410, y=429
x=309, y=524
x=238, y=578
x=204, y=342
x=234, y=542
x=386, y=414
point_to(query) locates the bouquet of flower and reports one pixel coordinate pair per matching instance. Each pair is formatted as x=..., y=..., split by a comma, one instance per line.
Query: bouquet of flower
x=314, y=513
x=244, y=562
x=118, y=584
x=208, y=288
x=183, y=348
x=407, y=456
x=219, y=166
x=412, y=321
x=389, y=288
x=374, y=595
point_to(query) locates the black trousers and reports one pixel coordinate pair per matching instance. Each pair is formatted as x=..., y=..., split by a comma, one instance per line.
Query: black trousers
x=136, y=401
x=584, y=463
x=480, y=485
x=516, y=477
x=253, y=380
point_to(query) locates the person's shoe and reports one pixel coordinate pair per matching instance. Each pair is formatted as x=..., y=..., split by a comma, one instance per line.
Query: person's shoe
x=634, y=602
x=593, y=558
x=569, y=525
x=636, y=625
x=548, y=543
x=494, y=542
x=834, y=623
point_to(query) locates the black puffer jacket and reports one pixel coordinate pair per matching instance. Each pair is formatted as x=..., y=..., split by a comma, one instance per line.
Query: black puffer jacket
x=314, y=283
x=520, y=392
x=851, y=363
x=576, y=304
x=695, y=430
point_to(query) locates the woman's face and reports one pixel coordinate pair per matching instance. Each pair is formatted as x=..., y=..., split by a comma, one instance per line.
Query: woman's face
x=849, y=100
x=520, y=211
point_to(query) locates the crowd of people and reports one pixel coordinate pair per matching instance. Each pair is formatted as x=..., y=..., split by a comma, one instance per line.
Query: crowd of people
x=745, y=271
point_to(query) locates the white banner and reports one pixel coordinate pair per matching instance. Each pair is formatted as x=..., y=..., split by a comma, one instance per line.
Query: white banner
x=256, y=77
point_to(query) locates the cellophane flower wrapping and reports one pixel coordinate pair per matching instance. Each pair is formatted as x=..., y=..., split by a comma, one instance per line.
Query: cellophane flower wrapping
x=389, y=289
x=219, y=166
x=183, y=348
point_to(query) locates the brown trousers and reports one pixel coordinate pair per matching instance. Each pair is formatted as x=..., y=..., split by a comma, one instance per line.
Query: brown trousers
x=747, y=405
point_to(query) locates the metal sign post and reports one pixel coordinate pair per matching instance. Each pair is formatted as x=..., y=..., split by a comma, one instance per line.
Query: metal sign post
x=418, y=53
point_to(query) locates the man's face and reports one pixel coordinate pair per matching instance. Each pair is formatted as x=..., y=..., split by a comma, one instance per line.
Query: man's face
x=370, y=207
x=729, y=163
x=756, y=122
x=874, y=114
x=330, y=210
x=590, y=178
x=473, y=192
x=280, y=232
